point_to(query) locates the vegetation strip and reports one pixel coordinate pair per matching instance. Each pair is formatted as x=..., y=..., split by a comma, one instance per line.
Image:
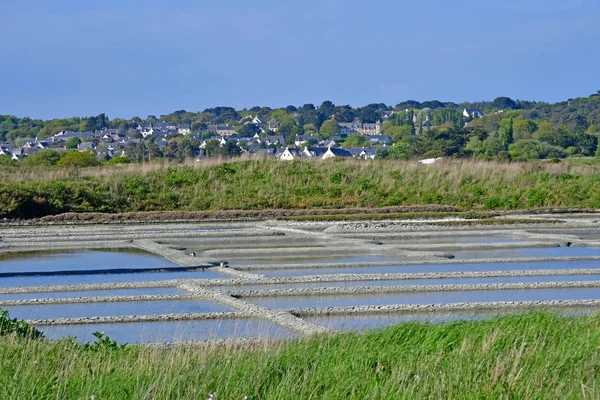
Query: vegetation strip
x=255, y=186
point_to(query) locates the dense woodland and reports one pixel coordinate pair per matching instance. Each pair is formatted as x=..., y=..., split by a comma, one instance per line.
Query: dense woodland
x=509, y=129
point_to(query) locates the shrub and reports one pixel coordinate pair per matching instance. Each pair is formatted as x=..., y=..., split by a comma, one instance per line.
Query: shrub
x=78, y=160
x=44, y=158
x=17, y=327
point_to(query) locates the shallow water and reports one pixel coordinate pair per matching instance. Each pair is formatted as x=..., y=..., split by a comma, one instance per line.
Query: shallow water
x=286, y=272
x=78, y=310
x=91, y=293
x=562, y=251
x=107, y=278
x=46, y=261
x=428, y=298
x=407, y=282
x=172, y=331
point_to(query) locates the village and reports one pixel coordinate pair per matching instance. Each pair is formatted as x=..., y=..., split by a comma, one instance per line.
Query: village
x=107, y=143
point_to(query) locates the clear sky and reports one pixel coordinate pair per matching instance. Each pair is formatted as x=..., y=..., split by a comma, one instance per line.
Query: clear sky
x=130, y=58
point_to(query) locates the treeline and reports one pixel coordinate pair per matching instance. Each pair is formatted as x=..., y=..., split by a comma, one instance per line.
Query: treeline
x=575, y=114
x=506, y=136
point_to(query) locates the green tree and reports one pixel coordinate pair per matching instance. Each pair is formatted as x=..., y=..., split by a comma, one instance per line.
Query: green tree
x=396, y=133
x=330, y=128
x=527, y=149
x=72, y=143
x=44, y=158
x=354, y=141
x=212, y=148
x=231, y=149
x=78, y=159
x=523, y=129
x=507, y=133
x=119, y=160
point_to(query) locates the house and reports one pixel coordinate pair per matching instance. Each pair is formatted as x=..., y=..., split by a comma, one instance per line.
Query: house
x=357, y=128
x=273, y=125
x=471, y=113
x=335, y=153
x=371, y=129
x=184, y=129
x=314, y=152
x=5, y=151
x=85, y=146
x=275, y=140
x=328, y=143
x=302, y=139
x=350, y=128
x=378, y=139
x=221, y=130
x=267, y=153
x=290, y=154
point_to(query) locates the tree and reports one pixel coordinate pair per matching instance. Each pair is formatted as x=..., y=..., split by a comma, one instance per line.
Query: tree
x=523, y=129
x=231, y=149
x=212, y=148
x=330, y=128
x=327, y=109
x=78, y=159
x=507, y=133
x=502, y=103
x=527, y=149
x=354, y=141
x=247, y=130
x=72, y=143
x=396, y=133
x=44, y=158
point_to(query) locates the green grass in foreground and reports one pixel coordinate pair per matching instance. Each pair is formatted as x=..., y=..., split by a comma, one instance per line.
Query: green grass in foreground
x=534, y=355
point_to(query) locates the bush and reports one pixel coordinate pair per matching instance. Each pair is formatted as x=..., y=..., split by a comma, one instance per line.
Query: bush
x=79, y=160
x=44, y=158
x=534, y=149
x=119, y=160
x=17, y=327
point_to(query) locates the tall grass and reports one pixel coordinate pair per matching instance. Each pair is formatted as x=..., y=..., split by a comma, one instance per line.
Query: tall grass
x=257, y=185
x=535, y=355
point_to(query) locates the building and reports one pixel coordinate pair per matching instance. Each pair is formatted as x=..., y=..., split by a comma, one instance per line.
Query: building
x=334, y=153
x=358, y=128
x=471, y=113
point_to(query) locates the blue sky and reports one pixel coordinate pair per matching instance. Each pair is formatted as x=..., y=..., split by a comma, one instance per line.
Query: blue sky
x=134, y=58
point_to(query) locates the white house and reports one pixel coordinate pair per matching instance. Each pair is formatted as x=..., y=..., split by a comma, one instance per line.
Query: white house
x=184, y=129
x=334, y=152
x=290, y=154
x=472, y=113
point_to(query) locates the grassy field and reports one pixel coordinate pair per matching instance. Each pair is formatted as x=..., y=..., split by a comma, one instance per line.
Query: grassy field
x=269, y=185
x=529, y=356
